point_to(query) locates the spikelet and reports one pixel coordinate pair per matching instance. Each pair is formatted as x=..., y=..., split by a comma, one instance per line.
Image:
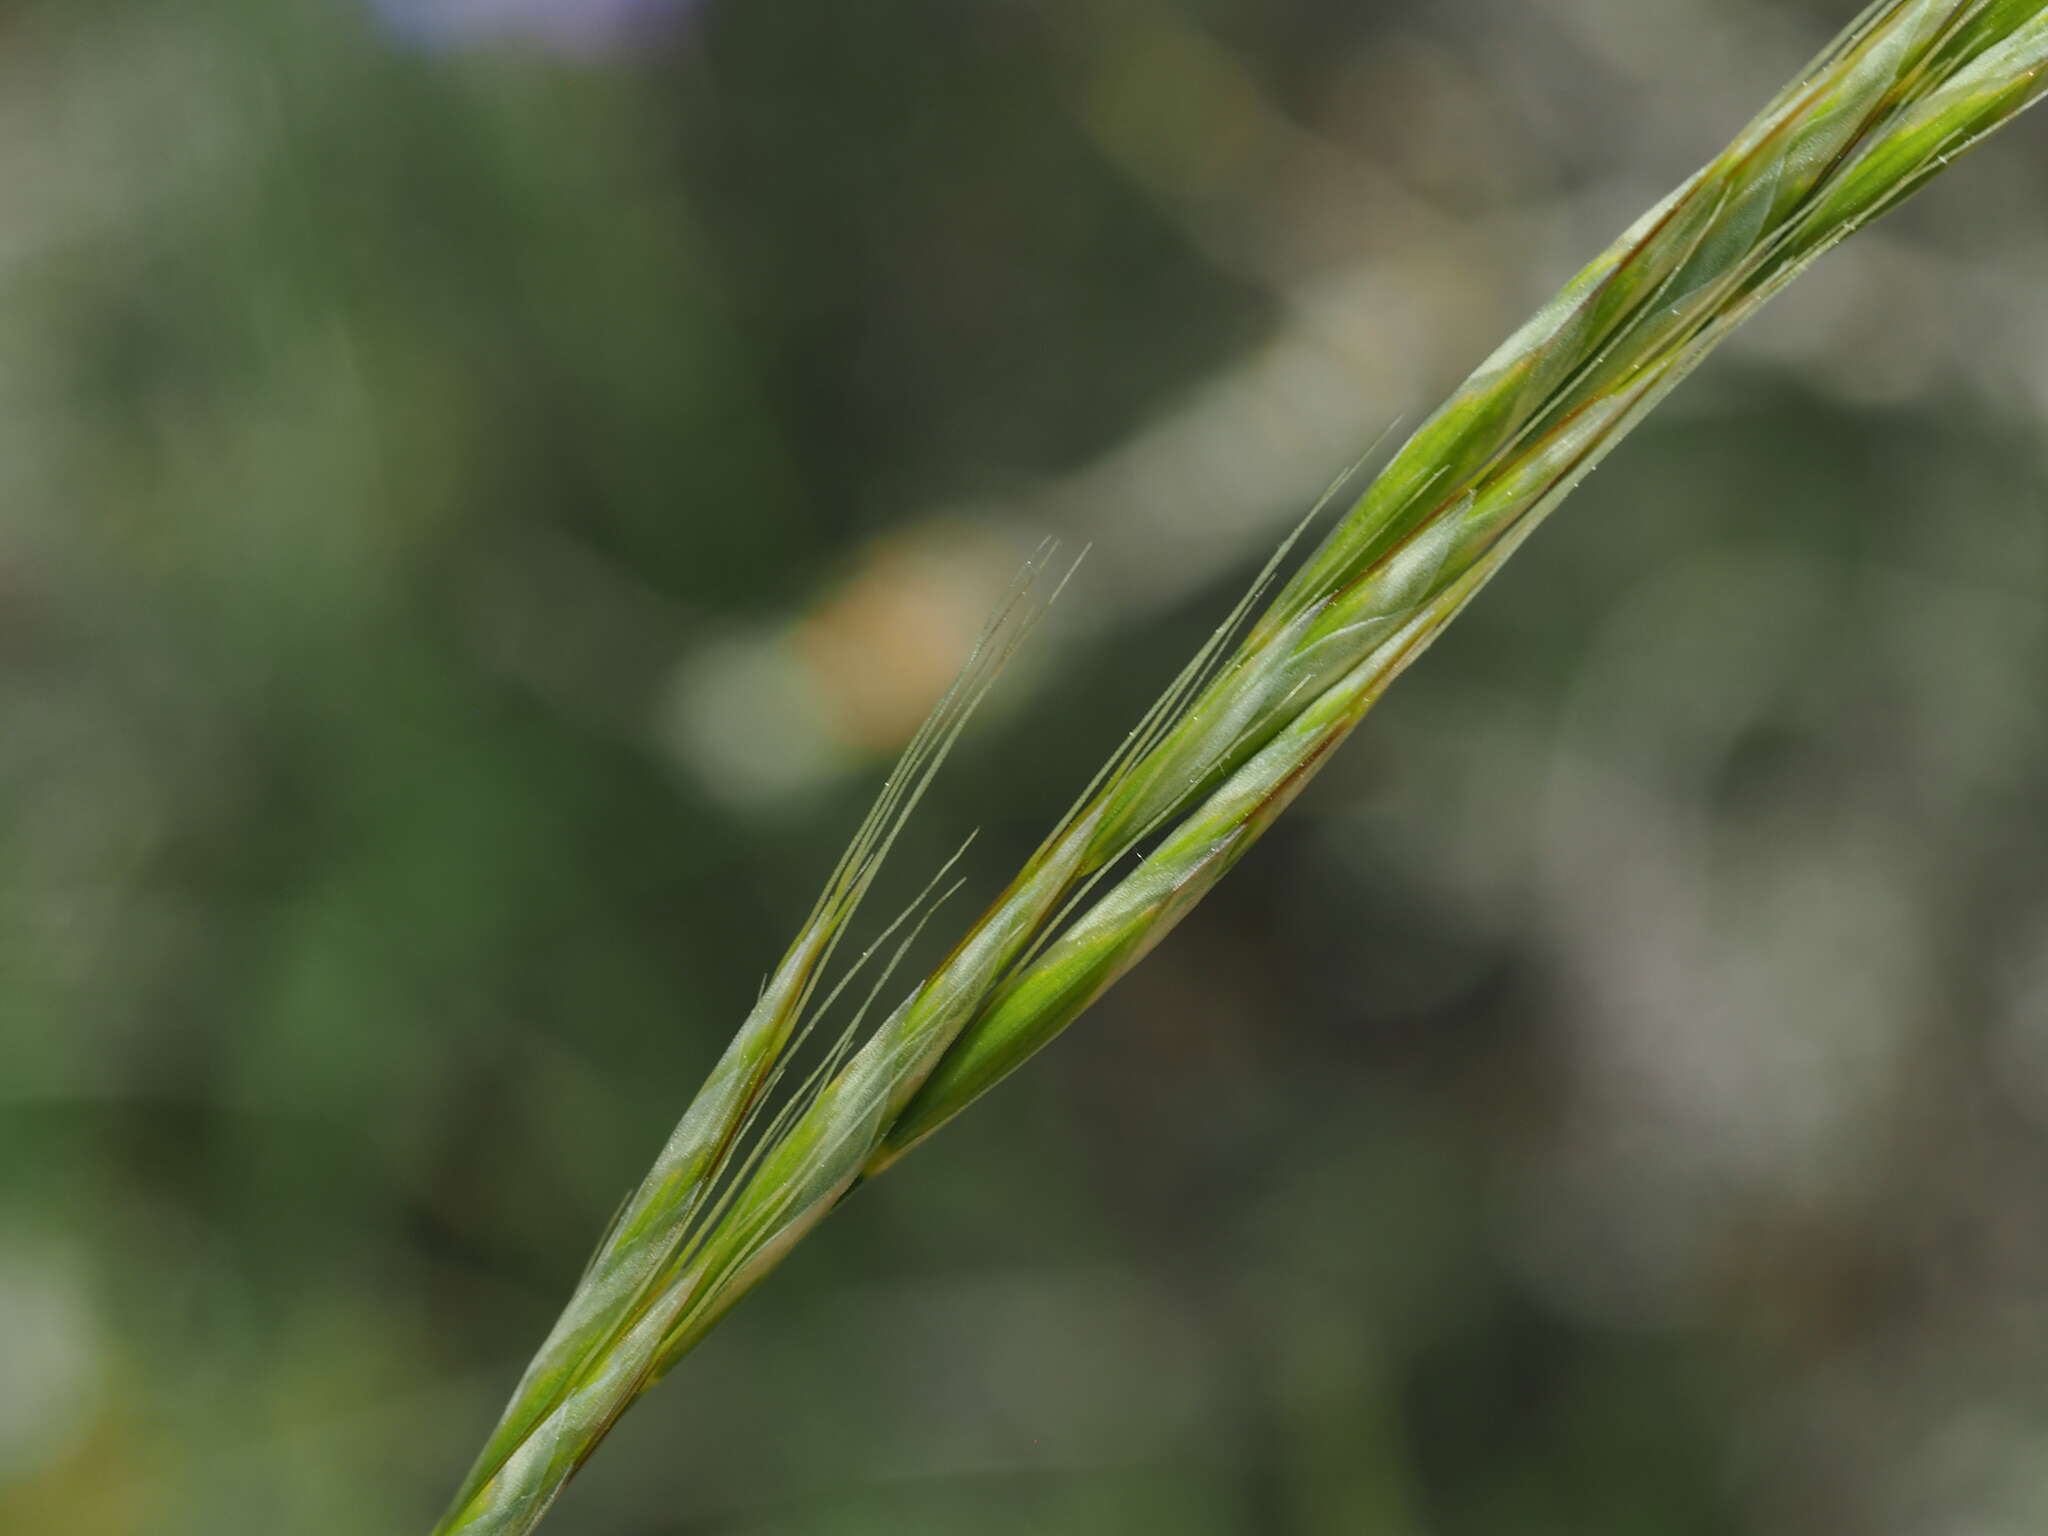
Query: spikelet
x=1908, y=87
x=1888, y=106
x=586, y=1371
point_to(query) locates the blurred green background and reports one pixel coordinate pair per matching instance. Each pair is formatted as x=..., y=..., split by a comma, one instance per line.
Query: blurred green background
x=486, y=484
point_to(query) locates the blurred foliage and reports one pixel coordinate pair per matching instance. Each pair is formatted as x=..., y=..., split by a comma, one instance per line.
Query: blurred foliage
x=1616, y=1101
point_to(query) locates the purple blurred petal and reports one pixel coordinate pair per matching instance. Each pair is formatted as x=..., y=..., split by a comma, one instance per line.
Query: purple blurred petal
x=569, y=26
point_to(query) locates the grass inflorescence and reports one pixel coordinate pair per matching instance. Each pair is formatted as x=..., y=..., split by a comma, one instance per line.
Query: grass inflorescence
x=1908, y=86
